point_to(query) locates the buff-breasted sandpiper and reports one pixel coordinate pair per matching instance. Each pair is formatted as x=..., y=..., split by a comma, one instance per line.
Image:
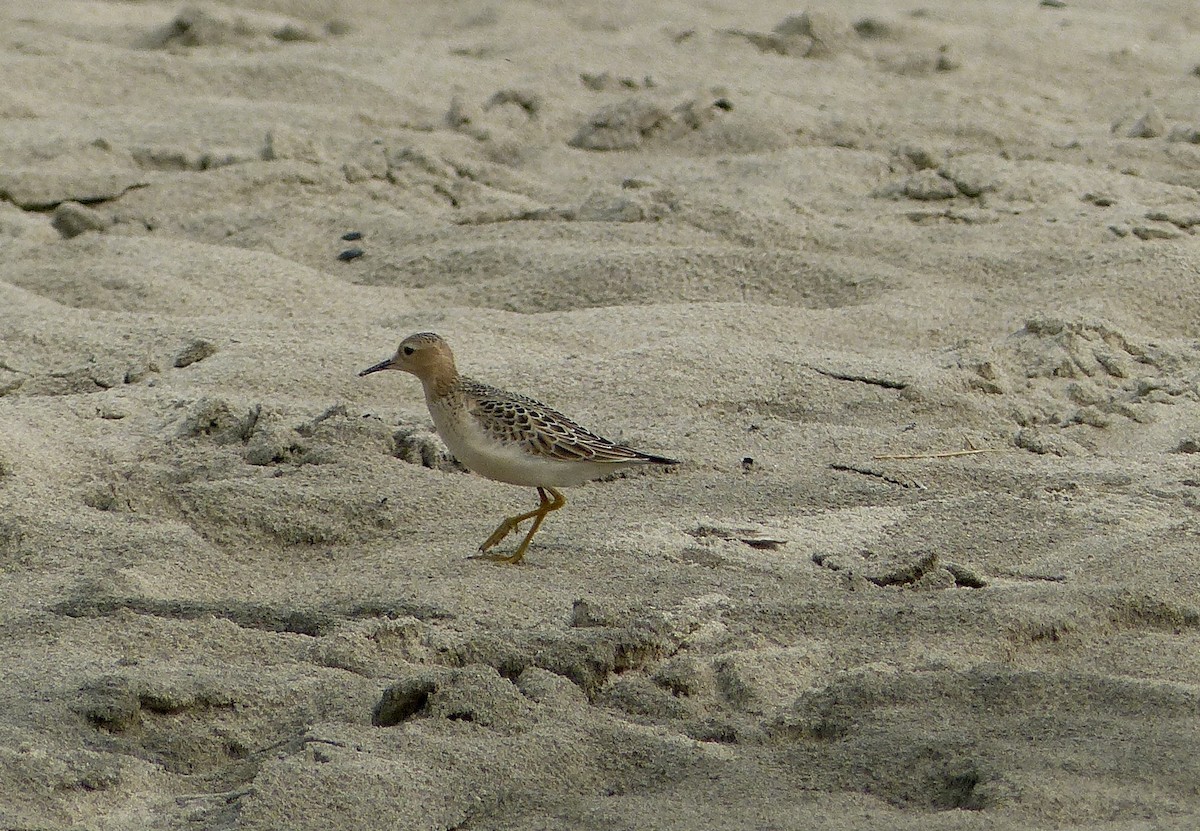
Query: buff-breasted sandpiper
x=508, y=437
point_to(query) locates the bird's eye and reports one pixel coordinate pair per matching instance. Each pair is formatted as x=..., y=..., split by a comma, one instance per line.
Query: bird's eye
x=408, y=350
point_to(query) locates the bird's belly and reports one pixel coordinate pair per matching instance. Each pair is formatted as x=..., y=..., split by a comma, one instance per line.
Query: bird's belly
x=509, y=462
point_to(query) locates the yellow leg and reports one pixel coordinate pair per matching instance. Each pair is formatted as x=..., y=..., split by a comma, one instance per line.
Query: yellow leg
x=546, y=504
x=510, y=524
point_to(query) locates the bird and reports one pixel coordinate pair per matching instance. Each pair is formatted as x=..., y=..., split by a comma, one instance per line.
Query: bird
x=507, y=437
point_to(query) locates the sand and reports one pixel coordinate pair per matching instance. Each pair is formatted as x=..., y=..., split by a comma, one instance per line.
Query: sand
x=815, y=252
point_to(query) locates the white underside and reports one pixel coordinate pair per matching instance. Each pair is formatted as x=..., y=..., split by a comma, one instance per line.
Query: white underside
x=471, y=446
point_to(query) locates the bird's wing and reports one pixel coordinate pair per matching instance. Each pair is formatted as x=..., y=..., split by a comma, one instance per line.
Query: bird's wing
x=543, y=431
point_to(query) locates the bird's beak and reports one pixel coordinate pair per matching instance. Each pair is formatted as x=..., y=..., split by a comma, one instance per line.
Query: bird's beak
x=381, y=365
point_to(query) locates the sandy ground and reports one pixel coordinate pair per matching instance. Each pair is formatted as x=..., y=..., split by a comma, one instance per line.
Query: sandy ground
x=788, y=246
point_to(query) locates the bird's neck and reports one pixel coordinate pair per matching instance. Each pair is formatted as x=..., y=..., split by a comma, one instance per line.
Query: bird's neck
x=441, y=383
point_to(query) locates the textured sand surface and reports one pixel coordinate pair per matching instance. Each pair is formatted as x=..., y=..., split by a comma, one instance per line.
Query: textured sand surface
x=787, y=245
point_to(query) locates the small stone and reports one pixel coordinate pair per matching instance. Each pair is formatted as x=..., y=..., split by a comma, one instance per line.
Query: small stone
x=872, y=28
x=197, y=350
x=350, y=254
x=351, y=236
x=72, y=219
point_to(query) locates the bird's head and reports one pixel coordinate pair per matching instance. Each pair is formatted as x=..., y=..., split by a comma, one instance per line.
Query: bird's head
x=425, y=355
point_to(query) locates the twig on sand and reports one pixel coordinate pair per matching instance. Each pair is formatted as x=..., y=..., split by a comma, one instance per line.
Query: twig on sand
x=945, y=454
x=878, y=474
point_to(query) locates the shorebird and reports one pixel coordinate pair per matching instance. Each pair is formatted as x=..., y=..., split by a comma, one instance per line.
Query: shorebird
x=508, y=437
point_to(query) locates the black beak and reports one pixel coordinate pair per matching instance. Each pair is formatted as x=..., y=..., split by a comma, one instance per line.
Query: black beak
x=381, y=365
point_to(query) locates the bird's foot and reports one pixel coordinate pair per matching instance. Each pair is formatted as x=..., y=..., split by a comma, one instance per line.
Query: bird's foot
x=502, y=530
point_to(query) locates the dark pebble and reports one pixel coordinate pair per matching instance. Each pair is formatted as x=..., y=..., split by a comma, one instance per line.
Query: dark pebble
x=351, y=236
x=350, y=254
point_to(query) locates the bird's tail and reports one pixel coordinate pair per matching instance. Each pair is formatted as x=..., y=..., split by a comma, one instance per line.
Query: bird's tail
x=649, y=458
